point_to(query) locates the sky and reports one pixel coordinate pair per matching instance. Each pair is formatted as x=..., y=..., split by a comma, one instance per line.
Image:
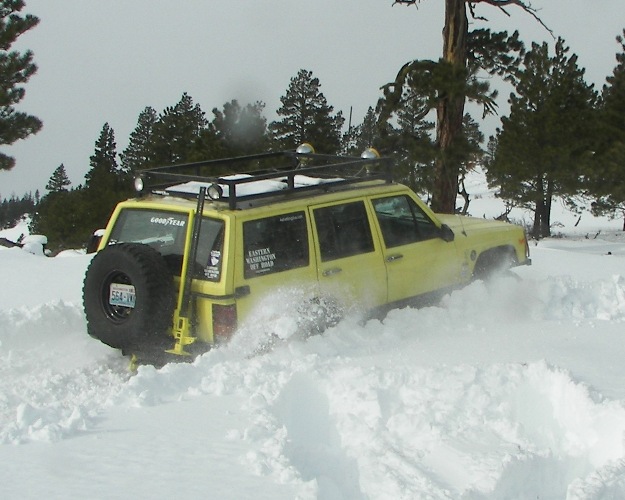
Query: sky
x=104, y=62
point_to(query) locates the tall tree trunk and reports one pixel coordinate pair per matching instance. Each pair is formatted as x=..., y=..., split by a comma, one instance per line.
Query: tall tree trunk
x=450, y=108
x=546, y=222
x=539, y=210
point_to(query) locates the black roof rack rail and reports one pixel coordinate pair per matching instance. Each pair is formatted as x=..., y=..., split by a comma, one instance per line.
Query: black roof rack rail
x=331, y=171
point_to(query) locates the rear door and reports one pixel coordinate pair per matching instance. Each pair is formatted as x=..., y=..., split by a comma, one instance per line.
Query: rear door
x=417, y=259
x=275, y=255
x=350, y=265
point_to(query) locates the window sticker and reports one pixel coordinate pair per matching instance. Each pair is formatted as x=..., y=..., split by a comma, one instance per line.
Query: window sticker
x=261, y=260
x=168, y=221
x=211, y=271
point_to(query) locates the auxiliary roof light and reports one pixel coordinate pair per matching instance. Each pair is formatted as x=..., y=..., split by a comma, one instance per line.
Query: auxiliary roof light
x=215, y=192
x=139, y=183
x=305, y=149
x=370, y=154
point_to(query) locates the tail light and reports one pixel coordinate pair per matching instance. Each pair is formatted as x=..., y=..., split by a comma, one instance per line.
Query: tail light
x=224, y=321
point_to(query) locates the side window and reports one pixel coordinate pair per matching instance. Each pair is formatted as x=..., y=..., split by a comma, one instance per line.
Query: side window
x=343, y=230
x=210, y=250
x=275, y=244
x=402, y=221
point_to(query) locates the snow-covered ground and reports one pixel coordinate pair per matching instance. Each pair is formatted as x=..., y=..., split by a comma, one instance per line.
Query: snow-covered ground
x=515, y=389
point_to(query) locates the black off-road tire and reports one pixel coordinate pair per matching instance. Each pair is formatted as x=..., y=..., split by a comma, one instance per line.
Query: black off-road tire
x=147, y=324
x=494, y=263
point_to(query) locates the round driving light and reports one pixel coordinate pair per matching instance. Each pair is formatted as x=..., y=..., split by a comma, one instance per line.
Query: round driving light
x=305, y=149
x=139, y=184
x=370, y=154
x=215, y=192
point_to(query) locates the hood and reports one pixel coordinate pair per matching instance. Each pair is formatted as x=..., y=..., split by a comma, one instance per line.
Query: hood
x=474, y=225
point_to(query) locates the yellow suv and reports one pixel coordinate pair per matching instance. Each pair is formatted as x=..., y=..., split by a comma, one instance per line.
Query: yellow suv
x=181, y=265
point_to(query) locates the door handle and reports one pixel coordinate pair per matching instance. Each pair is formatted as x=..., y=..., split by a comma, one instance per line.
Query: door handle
x=331, y=271
x=396, y=256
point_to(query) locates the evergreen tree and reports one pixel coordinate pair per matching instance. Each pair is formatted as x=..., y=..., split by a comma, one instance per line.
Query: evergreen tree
x=61, y=217
x=106, y=184
x=15, y=69
x=307, y=117
x=544, y=144
x=13, y=209
x=58, y=180
x=363, y=136
x=240, y=130
x=463, y=50
x=606, y=182
x=424, y=88
x=140, y=151
x=177, y=131
x=104, y=169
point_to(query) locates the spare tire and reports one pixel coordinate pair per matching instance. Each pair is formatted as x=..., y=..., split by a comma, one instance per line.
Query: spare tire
x=128, y=295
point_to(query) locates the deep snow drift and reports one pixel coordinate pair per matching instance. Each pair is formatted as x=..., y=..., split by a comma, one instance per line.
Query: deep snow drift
x=513, y=389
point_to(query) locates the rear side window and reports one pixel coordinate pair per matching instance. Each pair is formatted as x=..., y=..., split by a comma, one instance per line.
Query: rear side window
x=275, y=244
x=343, y=230
x=210, y=250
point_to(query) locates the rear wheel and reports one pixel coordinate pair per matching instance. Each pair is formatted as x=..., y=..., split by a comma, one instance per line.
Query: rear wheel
x=317, y=315
x=128, y=296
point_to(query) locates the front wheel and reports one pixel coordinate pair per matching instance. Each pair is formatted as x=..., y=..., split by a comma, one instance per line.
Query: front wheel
x=493, y=263
x=128, y=296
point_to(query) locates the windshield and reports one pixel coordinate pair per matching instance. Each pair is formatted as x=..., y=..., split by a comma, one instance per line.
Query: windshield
x=166, y=232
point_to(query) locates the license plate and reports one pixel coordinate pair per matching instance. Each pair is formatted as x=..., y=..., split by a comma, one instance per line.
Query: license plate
x=122, y=295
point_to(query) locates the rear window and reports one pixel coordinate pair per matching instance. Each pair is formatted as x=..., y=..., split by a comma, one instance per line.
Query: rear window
x=275, y=244
x=166, y=232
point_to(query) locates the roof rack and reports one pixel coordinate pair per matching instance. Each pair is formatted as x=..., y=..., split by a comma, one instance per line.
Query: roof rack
x=288, y=172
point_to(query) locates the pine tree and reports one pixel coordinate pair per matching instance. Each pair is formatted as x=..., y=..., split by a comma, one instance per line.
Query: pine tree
x=545, y=143
x=495, y=54
x=240, y=130
x=58, y=180
x=104, y=169
x=307, y=117
x=607, y=179
x=140, y=151
x=363, y=136
x=177, y=131
x=61, y=217
x=105, y=183
x=15, y=69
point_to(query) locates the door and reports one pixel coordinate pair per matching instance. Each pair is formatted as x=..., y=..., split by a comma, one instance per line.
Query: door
x=274, y=261
x=349, y=257
x=417, y=259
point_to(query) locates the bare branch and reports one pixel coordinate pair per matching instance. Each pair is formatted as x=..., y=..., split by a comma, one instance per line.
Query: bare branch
x=525, y=6
x=500, y=4
x=407, y=2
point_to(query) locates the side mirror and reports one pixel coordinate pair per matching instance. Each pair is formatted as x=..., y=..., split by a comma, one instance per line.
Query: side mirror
x=446, y=233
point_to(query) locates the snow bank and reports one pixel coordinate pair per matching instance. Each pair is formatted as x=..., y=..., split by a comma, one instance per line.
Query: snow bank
x=509, y=389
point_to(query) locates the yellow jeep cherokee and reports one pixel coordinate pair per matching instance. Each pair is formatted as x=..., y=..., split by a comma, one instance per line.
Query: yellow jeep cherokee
x=185, y=262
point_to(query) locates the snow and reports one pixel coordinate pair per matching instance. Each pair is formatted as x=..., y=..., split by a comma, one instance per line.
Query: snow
x=511, y=389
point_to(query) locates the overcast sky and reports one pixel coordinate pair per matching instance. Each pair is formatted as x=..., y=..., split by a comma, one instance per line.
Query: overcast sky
x=105, y=61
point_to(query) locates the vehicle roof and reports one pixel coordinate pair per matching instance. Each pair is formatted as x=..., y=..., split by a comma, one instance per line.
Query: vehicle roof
x=279, y=200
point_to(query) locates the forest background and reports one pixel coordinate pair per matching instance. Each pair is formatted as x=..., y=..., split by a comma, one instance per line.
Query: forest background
x=562, y=138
